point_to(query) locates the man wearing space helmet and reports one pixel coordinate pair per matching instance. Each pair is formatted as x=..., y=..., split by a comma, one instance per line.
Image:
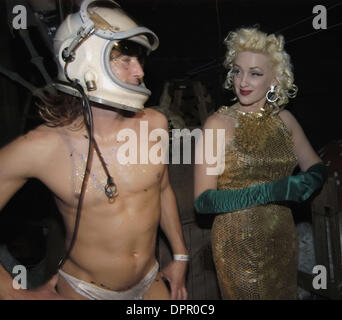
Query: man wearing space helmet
x=111, y=210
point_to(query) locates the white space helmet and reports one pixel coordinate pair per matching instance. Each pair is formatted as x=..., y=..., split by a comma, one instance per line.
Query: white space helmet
x=83, y=46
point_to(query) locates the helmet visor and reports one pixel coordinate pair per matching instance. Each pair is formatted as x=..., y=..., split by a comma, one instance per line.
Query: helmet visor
x=123, y=62
x=130, y=49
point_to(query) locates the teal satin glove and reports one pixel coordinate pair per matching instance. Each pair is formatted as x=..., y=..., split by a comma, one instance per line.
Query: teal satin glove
x=293, y=188
x=300, y=187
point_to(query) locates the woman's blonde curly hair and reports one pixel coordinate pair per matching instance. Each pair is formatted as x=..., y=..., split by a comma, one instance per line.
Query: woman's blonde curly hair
x=252, y=39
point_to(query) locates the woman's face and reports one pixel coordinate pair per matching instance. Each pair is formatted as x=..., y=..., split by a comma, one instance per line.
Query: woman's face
x=253, y=77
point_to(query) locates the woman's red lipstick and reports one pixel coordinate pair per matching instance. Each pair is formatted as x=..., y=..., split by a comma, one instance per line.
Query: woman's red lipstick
x=245, y=92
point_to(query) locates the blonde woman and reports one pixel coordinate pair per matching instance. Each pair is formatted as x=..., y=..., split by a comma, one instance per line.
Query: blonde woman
x=253, y=235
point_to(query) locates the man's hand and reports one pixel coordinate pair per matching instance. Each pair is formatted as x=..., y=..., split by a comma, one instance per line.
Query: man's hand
x=174, y=273
x=45, y=292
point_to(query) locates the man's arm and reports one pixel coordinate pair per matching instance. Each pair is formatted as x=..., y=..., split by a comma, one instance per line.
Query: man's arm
x=171, y=226
x=170, y=222
x=13, y=170
x=19, y=161
x=11, y=179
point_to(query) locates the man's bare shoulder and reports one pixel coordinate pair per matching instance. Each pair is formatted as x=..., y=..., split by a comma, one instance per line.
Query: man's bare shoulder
x=27, y=155
x=155, y=118
x=41, y=137
x=37, y=144
x=41, y=133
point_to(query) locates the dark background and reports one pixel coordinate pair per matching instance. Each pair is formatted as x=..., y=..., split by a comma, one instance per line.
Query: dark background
x=191, y=34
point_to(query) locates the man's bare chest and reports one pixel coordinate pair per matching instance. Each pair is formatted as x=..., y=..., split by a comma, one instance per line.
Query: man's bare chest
x=131, y=175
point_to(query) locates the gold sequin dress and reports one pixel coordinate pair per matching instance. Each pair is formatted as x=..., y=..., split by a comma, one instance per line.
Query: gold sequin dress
x=255, y=249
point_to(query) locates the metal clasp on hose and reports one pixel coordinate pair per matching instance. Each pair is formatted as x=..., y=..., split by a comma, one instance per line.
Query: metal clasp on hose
x=111, y=190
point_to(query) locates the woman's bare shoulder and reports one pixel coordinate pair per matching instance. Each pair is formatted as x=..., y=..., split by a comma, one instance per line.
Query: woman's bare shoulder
x=289, y=120
x=220, y=119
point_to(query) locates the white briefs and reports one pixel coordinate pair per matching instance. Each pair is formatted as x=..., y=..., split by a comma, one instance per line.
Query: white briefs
x=93, y=292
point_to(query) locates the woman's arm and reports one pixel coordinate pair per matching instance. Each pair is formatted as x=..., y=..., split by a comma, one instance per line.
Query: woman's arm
x=294, y=188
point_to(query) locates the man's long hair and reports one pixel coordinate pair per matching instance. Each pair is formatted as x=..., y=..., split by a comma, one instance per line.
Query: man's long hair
x=60, y=110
